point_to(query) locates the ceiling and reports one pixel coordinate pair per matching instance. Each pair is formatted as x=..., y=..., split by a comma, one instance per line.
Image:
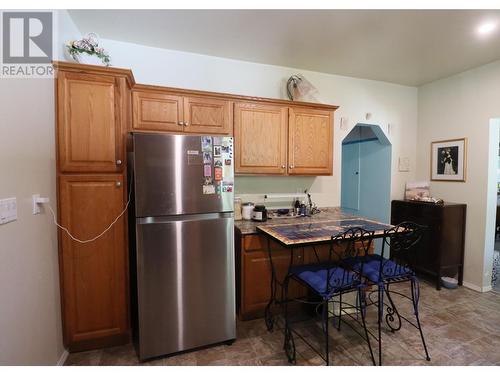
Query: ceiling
x=409, y=47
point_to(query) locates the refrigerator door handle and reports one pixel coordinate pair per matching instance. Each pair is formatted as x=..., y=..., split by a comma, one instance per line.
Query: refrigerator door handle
x=193, y=217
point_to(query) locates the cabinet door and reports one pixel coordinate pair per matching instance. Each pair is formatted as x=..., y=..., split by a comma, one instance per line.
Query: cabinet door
x=256, y=274
x=310, y=149
x=89, y=123
x=157, y=111
x=207, y=116
x=93, y=275
x=260, y=136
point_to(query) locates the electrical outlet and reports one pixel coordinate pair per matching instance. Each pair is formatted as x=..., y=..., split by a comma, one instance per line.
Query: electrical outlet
x=8, y=210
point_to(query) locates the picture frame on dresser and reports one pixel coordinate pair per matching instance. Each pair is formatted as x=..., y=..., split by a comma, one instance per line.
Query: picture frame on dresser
x=449, y=160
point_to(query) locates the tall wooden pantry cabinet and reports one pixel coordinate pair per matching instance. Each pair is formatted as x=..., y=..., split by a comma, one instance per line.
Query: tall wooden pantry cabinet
x=92, y=110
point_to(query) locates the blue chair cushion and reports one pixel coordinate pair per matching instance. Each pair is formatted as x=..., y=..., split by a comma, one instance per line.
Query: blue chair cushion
x=315, y=276
x=371, y=269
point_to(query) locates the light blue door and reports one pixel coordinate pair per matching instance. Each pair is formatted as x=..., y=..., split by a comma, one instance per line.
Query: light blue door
x=350, y=176
x=375, y=180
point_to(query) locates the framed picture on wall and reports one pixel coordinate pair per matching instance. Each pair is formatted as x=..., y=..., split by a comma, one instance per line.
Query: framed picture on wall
x=449, y=160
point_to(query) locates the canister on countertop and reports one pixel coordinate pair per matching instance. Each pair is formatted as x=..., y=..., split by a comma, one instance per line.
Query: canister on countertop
x=237, y=209
x=259, y=213
x=246, y=210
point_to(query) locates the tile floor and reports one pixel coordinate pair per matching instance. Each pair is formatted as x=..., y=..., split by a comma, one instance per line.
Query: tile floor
x=462, y=327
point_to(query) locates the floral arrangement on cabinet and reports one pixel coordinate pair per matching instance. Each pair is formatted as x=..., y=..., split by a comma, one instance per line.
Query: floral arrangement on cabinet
x=87, y=51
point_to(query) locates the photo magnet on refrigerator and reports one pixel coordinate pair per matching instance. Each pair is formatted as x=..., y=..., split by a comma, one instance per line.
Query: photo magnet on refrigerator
x=206, y=144
x=207, y=158
x=208, y=189
x=207, y=170
x=217, y=174
x=217, y=151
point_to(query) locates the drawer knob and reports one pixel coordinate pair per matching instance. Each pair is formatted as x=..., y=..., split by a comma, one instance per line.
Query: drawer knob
x=118, y=162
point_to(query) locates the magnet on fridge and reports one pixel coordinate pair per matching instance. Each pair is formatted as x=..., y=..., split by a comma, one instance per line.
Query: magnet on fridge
x=217, y=151
x=206, y=144
x=227, y=161
x=208, y=189
x=217, y=141
x=217, y=174
x=218, y=162
x=207, y=170
x=207, y=158
x=227, y=187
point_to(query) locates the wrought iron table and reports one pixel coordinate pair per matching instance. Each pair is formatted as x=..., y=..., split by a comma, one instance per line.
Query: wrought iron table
x=308, y=235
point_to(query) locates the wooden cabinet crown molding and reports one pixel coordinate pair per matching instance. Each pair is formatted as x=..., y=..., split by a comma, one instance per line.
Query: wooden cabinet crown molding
x=128, y=74
x=234, y=97
x=95, y=69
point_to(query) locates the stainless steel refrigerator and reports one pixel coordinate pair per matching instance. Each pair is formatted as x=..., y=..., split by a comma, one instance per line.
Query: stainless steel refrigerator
x=182, y=264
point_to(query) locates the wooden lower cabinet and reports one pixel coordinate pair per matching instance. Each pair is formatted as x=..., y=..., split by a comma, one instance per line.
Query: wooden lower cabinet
x=254, y=271
x=94, y=276
x=255, y=277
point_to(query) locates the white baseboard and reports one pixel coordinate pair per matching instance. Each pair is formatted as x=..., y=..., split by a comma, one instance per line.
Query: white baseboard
x=63, y=358
x=483, y=289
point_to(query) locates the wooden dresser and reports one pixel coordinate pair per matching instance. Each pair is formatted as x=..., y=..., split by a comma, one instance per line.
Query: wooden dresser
x=441, y=250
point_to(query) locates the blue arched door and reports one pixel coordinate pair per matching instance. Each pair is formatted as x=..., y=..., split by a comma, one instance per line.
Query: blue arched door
x=366, y=172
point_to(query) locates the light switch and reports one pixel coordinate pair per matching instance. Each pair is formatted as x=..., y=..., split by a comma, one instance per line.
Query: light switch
x=8, y=210
x=404, y=164
x=344, y=123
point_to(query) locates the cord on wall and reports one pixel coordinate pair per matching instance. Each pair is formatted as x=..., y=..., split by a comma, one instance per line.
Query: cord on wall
x=63, y=228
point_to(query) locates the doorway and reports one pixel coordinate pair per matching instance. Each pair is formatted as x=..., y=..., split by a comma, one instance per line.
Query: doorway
x=494, y=169
x=366, y=173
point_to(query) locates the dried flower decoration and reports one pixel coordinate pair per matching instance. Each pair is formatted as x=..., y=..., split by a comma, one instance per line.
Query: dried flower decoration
x=86, y=47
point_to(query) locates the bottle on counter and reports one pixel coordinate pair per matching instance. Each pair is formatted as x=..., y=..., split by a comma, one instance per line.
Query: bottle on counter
x=297, y=207
x=302, y=209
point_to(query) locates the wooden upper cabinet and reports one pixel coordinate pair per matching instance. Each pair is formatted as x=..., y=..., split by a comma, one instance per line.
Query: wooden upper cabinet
x=89, y=122
x=157, y=111
x=310, y=149
x=260, y=133
x=207, y=116
x=93, y=275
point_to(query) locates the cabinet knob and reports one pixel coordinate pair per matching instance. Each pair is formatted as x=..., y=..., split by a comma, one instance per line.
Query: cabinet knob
x=186, y=123
x=118, y=183
x=180, y=123
x=118, y=162
x=283, y=167
x=291, y=166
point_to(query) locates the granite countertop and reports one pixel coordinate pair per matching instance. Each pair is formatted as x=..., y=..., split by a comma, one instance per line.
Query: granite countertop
x=328, y=213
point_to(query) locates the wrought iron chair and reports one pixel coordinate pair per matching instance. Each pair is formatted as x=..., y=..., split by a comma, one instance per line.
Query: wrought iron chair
x=327, y=279
x=400, y=242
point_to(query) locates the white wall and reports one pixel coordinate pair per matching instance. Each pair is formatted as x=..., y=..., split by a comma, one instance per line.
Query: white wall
x=456, y=107
x=30, y=311
x=388, y=103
